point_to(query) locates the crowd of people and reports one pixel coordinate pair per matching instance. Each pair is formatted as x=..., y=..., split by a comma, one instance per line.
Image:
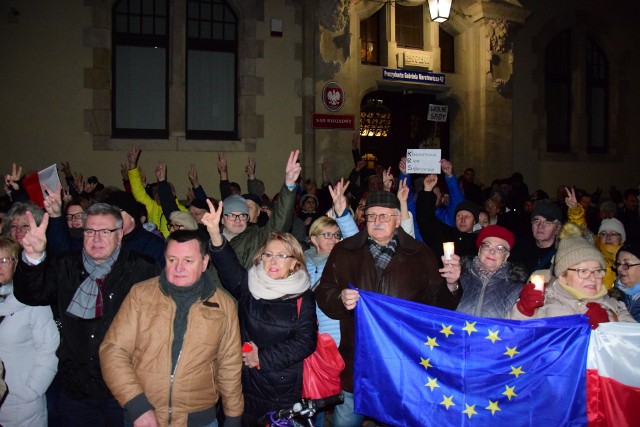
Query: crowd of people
x=121, y=305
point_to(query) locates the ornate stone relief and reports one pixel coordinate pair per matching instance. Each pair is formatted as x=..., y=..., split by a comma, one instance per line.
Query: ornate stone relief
x=500, y=33
x=335, y=39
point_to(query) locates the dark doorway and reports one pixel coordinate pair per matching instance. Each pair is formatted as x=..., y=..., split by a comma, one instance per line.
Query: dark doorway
x=409, y=128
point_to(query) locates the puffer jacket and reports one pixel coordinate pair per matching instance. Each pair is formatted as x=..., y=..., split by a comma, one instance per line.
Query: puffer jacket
x=54, y=282
x=412, y=274
x=559, y=302
x=284, y=339
x=136, y=356
x=494, y=298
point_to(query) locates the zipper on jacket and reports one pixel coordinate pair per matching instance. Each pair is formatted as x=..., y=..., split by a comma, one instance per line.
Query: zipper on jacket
x=171, y=386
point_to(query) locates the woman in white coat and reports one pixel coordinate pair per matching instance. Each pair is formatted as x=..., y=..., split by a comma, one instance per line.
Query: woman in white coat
x=29, y=339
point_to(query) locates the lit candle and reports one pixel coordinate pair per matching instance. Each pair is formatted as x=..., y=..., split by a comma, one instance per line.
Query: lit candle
x=448, y=249
x=538, y=282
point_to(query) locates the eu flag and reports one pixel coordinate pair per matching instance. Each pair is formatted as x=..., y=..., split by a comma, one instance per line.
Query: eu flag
x=417, y=365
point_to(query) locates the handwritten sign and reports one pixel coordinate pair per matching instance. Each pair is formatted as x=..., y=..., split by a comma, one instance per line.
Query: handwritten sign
x=437, y=113
x=423, y=161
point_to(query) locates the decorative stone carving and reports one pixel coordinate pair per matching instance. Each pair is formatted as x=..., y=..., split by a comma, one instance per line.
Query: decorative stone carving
x=335, y=39
x=500, y=33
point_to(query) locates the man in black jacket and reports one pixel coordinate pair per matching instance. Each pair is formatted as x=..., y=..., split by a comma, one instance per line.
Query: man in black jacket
x=88, y=289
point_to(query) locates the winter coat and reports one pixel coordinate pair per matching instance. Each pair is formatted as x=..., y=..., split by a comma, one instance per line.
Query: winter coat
x=29, y=339
x=559, y=302
x=284, y=339
x=55, y=281
x=494, y=298
x=136, y=356
x=412, y=274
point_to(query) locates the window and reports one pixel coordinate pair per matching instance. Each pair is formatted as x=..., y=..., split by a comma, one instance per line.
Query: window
x=558, y=92
x=447, y=53
x=211, y=70
x=139, y=69
x=597, y=98
x=370, y=40
x=409, y=26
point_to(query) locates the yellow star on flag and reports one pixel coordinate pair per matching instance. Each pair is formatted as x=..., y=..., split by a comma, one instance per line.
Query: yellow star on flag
x=493, y=336
x=470, y=327
x=431, y=342
x=517, y=371
x=509, y=392
x=433, y=383
x=470, y=410
x=447, y=401
x=511, y=351
x=446, y=330
x=493, y=407
x=425, y=363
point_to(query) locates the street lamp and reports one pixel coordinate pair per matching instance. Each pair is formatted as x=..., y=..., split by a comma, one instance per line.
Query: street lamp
x=439, y=10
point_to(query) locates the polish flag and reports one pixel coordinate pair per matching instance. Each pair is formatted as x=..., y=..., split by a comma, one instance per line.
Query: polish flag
x=32, y=184
x=613, y=375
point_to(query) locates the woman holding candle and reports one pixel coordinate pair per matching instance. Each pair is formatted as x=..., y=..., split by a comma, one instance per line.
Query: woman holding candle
x=490, y=284
x=577, y=287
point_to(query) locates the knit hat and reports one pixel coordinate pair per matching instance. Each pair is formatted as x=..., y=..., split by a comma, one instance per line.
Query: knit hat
x=496, y=231
x=631, y=248
x=548, y=210
x=184, y=219
x=612, y=224
x=124, y=201
x=574, y=250
x=200, y=204
x=235, y=204
x=308, y=196
x=385, y=199
x=253, y=197
x=469, y=206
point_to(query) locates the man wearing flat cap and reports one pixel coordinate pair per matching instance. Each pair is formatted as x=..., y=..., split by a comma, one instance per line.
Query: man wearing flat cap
x=536, y=251
x=381, y=258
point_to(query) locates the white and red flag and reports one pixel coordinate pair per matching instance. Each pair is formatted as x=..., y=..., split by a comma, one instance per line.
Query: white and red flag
x=32, y=184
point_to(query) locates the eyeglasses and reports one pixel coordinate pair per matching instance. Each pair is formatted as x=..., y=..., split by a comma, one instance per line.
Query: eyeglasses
x=488, y=247
x=236, y=217
x=278, y=257
x=584, y=273
x=381, y=217
x=78, y=216
x=105, y=232
x=24, y=228
x=544, y=222
x=604, y=234
x=174, y=226
x=5, y=260
x=623, y=266
x=337, y=236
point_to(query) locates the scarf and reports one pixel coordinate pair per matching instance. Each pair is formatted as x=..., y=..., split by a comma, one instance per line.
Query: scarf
x=87, y=301
x=382, y=254
x=484, y=273
x=579, y=295
x=315, y=258
x=632, y=291
x=264, y=287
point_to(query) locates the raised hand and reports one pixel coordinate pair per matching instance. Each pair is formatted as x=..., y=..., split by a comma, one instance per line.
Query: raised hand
x=250, y=169
x=161, y=171
x=66, y=195
x=387, y=179
x=78, y=182
x=403, y=191
x=446, y=166
x=66, y=169
x=211, y=220
x=11, y=180
x=571, y=199
x=402, y=165
x=451, y=270
x=123, y=171
x=35, y=241
x=293, y=169
x=190, y=195
x=430, y=182
x=90, y=187
x=53, y=201
x=193, y=176
x=360, y=165
x=132, y=157
x=222, y=166
x=340, y=203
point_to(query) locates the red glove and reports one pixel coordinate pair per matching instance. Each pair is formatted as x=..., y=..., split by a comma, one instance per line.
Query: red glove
x=530, y=299
x=596, y=314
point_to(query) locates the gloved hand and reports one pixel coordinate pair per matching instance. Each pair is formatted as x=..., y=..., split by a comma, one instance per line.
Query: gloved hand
x=530, y=299
x=596, y=314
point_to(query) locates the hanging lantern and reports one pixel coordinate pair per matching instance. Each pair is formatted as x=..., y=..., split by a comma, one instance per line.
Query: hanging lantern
x=439, y=10
x=375, y=119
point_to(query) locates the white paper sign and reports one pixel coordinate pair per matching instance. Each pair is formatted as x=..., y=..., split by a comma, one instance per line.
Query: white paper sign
x=438, y=113
x=423, y=161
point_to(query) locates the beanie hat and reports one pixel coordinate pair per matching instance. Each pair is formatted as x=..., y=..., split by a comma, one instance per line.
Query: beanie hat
x=631, y=248
x=125, y=202
x=235, y=204
x=253, y=197
x=548, y=210
x=612, y=224
x=184, y=219
x=308, y=196
x=385, y=199
x=574, y=250
x=496, y=231
x=469, y=206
